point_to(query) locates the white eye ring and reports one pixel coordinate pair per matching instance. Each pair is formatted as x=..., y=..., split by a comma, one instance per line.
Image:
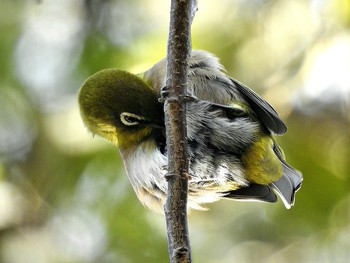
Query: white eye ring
x=130, y=119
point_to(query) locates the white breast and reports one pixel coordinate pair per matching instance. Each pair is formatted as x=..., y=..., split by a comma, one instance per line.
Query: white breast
x=146, y=168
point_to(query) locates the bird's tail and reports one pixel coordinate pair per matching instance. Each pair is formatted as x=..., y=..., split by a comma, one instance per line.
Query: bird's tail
x=285, y=187
x=289, y=183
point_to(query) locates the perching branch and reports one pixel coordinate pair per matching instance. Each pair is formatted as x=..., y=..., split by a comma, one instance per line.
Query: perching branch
x=178, y=54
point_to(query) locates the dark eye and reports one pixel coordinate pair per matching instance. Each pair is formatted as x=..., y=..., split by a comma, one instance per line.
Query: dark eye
x=130, y=119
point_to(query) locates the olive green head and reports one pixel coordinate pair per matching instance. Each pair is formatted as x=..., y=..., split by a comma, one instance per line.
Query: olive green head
x=119, y=106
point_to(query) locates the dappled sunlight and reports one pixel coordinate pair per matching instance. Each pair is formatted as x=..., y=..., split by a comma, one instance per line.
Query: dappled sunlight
x=326, y=77
x=48, y=49
x=18, y=128
x=72, y=137
x=11, y=205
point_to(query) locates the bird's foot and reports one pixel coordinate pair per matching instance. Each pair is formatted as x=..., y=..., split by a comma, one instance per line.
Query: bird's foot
x=164, y=94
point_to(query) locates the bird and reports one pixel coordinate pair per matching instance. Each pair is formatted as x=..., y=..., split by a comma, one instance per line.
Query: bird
x=231, y=130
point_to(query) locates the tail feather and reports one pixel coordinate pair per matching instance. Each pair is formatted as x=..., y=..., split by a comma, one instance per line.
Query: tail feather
x=294, y=175
x=288, y=184
x=285, y=187
x=253, y=192
x=285, y=190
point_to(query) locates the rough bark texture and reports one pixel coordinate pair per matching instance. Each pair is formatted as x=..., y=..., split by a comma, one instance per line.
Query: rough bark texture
x=178, y=53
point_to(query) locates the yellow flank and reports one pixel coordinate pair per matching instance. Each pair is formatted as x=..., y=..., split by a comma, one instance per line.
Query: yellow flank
x=261, y=163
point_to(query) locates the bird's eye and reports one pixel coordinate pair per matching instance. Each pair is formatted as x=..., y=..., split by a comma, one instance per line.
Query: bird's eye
x=130, y=119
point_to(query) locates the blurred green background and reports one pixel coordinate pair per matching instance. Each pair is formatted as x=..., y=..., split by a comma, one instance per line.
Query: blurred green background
x=64, y=196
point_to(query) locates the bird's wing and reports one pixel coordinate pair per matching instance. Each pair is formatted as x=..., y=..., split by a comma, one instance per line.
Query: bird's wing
x=230, y=111
x=264, y=111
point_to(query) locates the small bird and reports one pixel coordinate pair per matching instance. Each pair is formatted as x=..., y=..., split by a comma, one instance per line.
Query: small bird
x=230, y=132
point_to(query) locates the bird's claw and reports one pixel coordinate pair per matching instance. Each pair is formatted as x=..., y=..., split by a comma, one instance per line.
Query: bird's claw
x=164, y=93
x=188, y=98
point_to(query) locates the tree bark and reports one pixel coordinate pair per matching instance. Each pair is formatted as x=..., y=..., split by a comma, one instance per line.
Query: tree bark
x=178, y=54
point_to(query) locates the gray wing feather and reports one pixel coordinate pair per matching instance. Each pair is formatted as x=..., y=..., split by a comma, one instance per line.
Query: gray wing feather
x=265, y=112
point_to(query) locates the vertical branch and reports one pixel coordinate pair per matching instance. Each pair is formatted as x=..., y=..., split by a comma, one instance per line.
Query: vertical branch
x=178, y=54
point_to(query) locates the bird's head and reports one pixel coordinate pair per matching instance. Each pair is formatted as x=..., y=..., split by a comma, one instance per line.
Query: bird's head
x=120, y=107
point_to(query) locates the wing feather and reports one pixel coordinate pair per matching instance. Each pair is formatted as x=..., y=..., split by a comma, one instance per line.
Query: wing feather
x=265, y=112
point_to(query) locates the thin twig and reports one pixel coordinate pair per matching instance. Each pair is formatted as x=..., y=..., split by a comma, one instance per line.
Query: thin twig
x=178, y=54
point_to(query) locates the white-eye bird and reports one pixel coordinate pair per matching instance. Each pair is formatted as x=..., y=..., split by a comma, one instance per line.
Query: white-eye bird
x=229, y=127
